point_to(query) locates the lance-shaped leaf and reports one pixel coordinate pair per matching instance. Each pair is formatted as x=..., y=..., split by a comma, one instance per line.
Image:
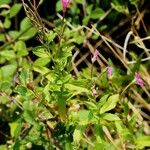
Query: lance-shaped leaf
x=110, y=103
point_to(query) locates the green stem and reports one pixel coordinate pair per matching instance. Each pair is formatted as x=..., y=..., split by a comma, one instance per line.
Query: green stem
x=127, y=87
x=91, y=71
x=62, y=29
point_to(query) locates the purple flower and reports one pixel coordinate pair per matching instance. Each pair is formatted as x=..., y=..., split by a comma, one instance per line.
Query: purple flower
x=138, y=79
x=96, y=53
x=65, y=4
x=109, y=72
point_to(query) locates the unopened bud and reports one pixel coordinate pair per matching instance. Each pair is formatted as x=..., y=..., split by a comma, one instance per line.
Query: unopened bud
x=65, y=4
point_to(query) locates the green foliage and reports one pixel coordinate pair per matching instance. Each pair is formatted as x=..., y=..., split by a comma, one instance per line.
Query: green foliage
x=143, y=141
x=120, y=6
x=5, y=2
x=45, y=102
x=110, y=103
x=14, y=10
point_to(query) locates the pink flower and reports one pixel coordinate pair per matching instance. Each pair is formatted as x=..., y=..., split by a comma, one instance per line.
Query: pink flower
x=94, y=92
x=96, y=53
x=65, y=4
x=138, y=80
x=109, y=72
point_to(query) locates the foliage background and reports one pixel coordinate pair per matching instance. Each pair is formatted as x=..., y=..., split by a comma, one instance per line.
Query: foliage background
x=48, y=82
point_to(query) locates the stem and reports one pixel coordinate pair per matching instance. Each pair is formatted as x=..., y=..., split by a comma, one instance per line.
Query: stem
x=86, y=139
x=62, y=28
x=91, y=71
x=127, y=87
x=34, y=3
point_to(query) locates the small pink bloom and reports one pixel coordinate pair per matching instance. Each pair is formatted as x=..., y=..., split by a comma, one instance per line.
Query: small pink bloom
x=65, y=4
x=94, y=92
x=138, y=80
x=109, y=72
x=96, y=53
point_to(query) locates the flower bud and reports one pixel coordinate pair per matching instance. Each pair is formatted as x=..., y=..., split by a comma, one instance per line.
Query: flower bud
x=138, y=80
x=96, y=53
x=65, y=4
x=109, y=72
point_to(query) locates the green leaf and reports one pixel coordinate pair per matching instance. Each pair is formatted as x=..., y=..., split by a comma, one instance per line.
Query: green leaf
x=4, y=13
x=51, y=35
x=123, y=131
x=25, y=23
x=62, y=57
x=41, y=52
x=133, y=120
x=41, y=61
x=85, y=83
x=4, y=2
x=89, y=9
x=14, y=126
x=54, y=87
x=7, y=71
x=110, y=117
x=24, y=77
x=110, y=103
x=104, y=146
x=79, y=39
x=103, y=100
x=134, y=2
x=119, y=126
x=3, y=147
x=77, y=134
x=15, y=9
x=99, y=145
x=21, y=90
x=2, y=37
x=46, y=92
x=79, y=1
x=97, y=13
x=29, y=117
x=27, y=30
x=7, y=54
x=14, y=34
x=5, y=85
x=103, y=80
x=62, y=97
x=143, y=141
x=21, y=49
x=85, y=20
x=76, y=89
x=85, y=117
x=58, y=6
x=91, y=105
x=31, y=32
x=4, y=99
x=120, y=7
x=62, y=77
x=30, y=106
x=7, y=23
x=40, y=69
x=17, y=145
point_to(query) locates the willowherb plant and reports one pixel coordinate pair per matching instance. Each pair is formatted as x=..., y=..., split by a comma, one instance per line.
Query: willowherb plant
x=49, y=102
